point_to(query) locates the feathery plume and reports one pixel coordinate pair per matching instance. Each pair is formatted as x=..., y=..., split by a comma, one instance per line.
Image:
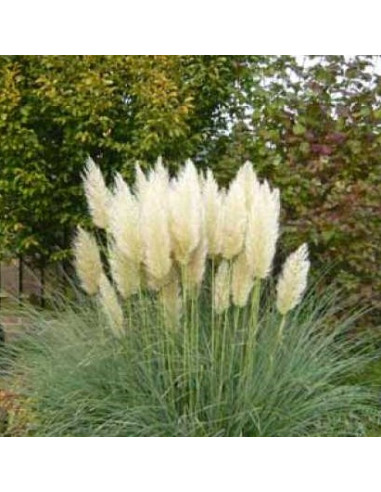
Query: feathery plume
x=186, y=213
x=97, y=194
x=234, y=220
x=222, y=288
x=87, y=261
x=212, y=201
x=141, y=181
x=160, y=170
x=196, y=266
x=155, y=283
x=110, y=305
x=242, y=280
x=125, y=221
x=170, y=298
x=262, y=230
x=125, y=273
x=248, y=180
x=293, y=280
x=154, y=225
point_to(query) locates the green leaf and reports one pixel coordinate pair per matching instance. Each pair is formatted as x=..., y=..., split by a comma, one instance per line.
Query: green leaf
x=298, y=129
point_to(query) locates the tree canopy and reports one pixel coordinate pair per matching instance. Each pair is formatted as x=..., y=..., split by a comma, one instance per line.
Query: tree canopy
x=57, y=110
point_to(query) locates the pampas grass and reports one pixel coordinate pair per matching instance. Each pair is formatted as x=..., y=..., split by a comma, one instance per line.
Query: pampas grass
x=262, y=230
x=111, y=307
x=125, y=272
x=222, y=288
x=213, y=214
x=154, y=213
x=173, y=225
x=124, y=219
x=159, y=379
x=293, y=280
x=242, y=281
x=187, y=335
x=97, y=194
x=186, y=213
x=234, y=220
x=87, y=261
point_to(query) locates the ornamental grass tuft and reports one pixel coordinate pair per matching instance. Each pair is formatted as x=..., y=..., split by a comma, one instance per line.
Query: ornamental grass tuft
x=184, y=332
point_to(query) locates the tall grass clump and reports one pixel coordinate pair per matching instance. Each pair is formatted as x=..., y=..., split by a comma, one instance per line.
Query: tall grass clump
x=184, y=332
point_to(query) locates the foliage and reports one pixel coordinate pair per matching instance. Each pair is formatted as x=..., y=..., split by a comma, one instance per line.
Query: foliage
x=315, y=129
x=57, y=110
x=82, y=381
x=16, y=418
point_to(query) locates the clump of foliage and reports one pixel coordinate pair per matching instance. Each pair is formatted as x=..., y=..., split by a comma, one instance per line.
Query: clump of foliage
x=16, y=417
x=80, y=380
x=184, y=334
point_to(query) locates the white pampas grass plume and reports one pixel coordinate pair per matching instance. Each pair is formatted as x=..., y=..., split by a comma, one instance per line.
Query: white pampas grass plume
x=154, y=223
x=125, y=273
x=160, y=170
x=212, y=201
x=196, y=267
x=234, y=220
x=248, y=180
x=222, y=288
x=97, y=194
x=110, y=305
x=141, y=182
x=262, y=230
x=186, y=213
x=293, y=280
x=125, y=221
x=158, y=174
x=87, y=261
x=170, y=299
x=156, y=284
x=242, y=280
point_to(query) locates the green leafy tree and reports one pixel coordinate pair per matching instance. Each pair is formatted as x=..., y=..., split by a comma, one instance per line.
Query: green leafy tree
x=57, y=110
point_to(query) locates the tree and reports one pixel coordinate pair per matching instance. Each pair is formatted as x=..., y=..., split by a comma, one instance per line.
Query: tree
x=57, y=110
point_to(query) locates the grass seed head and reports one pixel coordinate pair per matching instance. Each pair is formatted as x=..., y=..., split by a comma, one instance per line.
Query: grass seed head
x=124, y=221
x=212, y=204
x=97, y=194
x=186, y=213
x=234, y=220
x=222, y=288
x=242, y=280
x=262, y=230
x=110, y=305
x=154, y=217
x=170, y=299
x=87, y=261
x=293, y=280
x=125, y=273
